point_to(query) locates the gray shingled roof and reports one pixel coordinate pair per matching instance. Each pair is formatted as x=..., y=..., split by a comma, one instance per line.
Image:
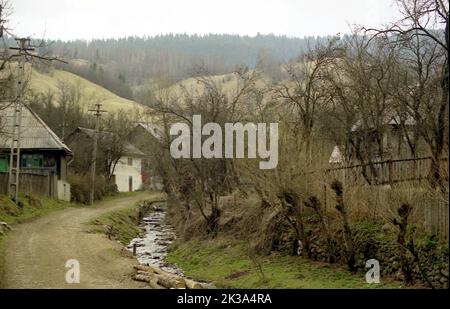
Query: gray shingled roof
x=390, y=118
x=153, y=129
x=35, y=134
x=129, y=148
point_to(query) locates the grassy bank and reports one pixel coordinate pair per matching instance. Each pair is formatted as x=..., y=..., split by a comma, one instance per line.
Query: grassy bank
x=33, y=206
x=37, y=206
x=121, y=224
x=229, y=265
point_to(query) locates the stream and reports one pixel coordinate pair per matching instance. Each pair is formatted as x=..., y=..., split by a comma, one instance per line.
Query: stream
x=152, y=245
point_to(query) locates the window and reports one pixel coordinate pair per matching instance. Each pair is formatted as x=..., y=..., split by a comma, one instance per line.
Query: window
x=32, y=161
x=130, y=161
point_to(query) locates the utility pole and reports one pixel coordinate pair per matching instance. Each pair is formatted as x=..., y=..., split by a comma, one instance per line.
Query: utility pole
x=97, y=113
x=14, y=159
x=63, y=127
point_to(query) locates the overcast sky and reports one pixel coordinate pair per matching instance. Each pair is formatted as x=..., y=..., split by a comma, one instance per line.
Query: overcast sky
x=87, y=19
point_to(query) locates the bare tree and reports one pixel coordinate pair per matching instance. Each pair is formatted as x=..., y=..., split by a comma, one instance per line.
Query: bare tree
x=428, y=19
x=113, y=143
x=418, y=94
x=5, y=77
x=359, y=86
x=303, y=91
x=5, y=12
x=201, y=182
x=421, y=18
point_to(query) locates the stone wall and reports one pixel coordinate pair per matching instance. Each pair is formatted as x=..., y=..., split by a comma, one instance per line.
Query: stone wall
x=379, y=242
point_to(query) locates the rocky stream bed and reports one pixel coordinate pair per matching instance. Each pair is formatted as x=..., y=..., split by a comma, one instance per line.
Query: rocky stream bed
x=151, y=248
x=153, y=244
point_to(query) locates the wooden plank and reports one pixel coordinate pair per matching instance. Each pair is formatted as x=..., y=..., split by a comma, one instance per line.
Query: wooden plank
x=29, y=183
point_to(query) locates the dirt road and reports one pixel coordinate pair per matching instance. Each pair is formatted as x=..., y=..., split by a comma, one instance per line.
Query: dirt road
x=37, y=251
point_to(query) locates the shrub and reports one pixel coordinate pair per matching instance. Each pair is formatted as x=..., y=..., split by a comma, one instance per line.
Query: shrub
x=81, y=188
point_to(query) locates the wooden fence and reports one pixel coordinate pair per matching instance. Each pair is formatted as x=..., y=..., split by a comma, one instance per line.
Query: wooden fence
x=41, y=184
x=385, y=172
x=436, y=217
x=430, y=213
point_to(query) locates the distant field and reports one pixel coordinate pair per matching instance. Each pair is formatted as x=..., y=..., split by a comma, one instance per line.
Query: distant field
x=226, y=82
x=91, y=93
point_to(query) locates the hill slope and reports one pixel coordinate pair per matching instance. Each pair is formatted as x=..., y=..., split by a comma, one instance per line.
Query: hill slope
x=90, y=93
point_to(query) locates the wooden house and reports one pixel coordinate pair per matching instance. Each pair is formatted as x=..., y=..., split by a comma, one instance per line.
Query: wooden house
x=43, y=156
x=392, y=140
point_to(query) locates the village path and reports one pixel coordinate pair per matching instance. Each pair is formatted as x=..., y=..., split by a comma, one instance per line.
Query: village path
x=37, y=251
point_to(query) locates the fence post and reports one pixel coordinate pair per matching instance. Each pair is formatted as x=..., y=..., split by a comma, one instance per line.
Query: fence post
x=47, y=175
x=390, y=172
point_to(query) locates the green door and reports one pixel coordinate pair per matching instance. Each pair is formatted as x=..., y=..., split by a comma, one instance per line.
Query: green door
x=4, y=164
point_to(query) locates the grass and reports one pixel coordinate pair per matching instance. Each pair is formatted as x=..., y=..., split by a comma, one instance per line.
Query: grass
x=37, y=206
x=33, y=206
x=91, y=93
x=123, y=222
x=228, y=265
x=118, y=195
x=227, y=83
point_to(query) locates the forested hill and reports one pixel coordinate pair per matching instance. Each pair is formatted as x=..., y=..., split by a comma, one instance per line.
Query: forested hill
x=133, y=60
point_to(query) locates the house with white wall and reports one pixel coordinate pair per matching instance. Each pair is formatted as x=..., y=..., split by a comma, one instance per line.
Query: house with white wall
x=127, y=173
x=146, y=137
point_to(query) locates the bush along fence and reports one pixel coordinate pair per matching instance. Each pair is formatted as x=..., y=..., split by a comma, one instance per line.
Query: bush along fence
x=404, y=253
x=430, y=211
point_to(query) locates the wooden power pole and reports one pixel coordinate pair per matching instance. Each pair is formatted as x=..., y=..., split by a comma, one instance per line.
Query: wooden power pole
x=97, y=113
x=14, y=159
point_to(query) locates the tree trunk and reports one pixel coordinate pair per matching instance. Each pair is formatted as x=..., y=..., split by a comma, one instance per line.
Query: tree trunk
x=436, y=172
x=293, y=200
x=337, y=188
x=403, y=212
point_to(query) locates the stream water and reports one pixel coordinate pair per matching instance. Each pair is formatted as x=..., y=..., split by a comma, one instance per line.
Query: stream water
x=152, y=246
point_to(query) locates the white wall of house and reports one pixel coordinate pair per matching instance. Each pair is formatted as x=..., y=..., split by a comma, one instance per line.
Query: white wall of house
x=128, y=174
x=63, y=190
